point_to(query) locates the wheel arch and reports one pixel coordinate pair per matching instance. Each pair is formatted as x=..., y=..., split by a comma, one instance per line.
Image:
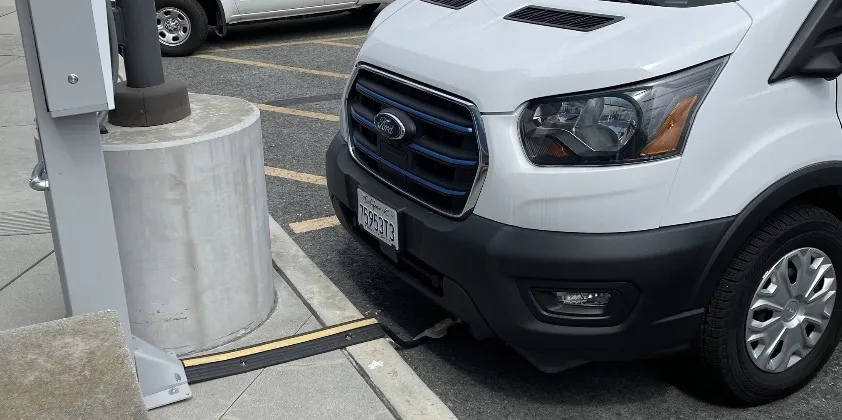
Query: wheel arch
x=215, y=11
x=819, y=184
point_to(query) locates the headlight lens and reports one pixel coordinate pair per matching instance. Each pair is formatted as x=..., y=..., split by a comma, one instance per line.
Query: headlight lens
x=638, y=123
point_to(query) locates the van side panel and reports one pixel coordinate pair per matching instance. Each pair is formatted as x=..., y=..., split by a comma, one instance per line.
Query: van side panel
x=749, y=134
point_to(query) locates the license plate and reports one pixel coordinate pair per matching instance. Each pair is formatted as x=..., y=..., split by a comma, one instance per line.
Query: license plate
x=377, y=218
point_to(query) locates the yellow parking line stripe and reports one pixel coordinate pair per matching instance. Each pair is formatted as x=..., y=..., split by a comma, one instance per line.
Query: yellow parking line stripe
x=337, y=44
x=271, y=66
x=314, y=224
x=297, y=112
x=288, y=43
x=295, y=176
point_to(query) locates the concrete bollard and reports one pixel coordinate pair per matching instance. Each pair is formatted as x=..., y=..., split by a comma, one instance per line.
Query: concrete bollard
x=191, y=214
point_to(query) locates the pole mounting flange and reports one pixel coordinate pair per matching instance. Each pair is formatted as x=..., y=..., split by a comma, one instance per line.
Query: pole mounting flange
x=150, y=106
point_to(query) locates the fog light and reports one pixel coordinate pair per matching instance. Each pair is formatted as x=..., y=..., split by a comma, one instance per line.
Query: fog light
x=583, y=299
x=575, y=302
x=579, y=303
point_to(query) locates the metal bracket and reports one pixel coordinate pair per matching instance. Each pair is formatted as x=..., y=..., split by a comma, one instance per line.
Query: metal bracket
x=38, y=181
x=161, y=375
x=439, y=330
x=118, y=22
x=436, y=331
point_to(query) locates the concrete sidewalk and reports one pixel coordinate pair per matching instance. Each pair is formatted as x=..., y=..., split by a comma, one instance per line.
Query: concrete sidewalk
x=335, y=385
x=28, y=272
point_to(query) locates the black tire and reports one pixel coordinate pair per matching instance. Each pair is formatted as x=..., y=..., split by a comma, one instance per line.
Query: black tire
x=366, y=9
x=198, y=33
x=722, y=346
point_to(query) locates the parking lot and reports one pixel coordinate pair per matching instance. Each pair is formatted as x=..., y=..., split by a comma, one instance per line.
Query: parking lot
x=294, y=71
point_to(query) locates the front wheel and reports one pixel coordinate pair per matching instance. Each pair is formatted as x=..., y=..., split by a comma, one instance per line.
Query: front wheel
x=772, y=323
x=182, y=26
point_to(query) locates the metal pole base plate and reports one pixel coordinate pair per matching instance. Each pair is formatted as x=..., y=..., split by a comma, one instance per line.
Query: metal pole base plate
x=150, y=106
x=161, y=375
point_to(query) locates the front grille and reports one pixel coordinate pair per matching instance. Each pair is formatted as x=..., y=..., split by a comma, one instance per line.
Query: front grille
x=440, y=165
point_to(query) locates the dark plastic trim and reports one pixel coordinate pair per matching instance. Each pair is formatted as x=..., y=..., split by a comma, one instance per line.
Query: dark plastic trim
x=816, y=49
x=610, y=19
x=678, y=4
x=787, y=189
x=449, y=6
x=221, y=24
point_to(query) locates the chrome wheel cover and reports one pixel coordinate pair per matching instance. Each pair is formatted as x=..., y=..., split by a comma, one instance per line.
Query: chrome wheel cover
x=174, y=27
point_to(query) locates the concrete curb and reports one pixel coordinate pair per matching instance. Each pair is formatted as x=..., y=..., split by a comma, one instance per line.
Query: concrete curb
x=393, y=380
x=70, y=368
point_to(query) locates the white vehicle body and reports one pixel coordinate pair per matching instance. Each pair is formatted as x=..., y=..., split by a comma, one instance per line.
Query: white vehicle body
x=183, y=24
x=508, y=56
x=242, y=11
x=698, y=233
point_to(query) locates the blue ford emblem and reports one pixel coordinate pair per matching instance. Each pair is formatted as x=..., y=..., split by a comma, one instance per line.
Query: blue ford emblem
x=389, y=125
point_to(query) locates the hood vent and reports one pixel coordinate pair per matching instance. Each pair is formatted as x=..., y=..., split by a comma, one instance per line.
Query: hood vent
x=453, y=4
x=564, y=19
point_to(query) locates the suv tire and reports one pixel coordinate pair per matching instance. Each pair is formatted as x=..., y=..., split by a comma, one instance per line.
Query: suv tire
x=182, y=26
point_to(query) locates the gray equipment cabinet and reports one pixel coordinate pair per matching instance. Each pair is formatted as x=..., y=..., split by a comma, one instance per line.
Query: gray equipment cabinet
x=70, y=73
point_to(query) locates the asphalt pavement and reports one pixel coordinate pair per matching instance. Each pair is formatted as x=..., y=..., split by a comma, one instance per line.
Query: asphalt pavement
x=296, y=71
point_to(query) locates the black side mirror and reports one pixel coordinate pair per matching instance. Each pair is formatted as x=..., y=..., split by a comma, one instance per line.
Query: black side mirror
x=816, y=50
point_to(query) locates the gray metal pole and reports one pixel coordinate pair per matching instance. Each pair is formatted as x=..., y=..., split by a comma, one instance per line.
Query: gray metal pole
x=147, y=98
x=142, y=53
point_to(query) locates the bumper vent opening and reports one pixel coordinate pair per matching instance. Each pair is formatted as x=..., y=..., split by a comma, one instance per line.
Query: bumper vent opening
x=453, y=4
x=439, y=165
x=564, y=19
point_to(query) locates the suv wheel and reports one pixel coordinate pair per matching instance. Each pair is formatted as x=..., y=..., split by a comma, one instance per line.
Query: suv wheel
x=182, y=26
x=773, y=323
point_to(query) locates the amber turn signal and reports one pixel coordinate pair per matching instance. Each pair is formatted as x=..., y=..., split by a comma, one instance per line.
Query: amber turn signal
x=668, y=136
x=553, y=148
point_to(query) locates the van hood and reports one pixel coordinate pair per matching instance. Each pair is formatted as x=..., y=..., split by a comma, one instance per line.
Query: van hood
x=499, y=64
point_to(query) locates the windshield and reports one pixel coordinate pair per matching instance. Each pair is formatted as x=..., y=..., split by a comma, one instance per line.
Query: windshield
x=674, y=3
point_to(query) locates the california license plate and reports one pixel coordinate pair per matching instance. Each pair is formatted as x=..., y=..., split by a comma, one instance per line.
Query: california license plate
x=377, y=218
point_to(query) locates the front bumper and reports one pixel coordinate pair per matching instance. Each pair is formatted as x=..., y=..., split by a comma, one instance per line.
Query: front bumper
x=483, y=272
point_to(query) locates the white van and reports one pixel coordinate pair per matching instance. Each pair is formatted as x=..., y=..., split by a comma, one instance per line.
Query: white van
x=593, y=180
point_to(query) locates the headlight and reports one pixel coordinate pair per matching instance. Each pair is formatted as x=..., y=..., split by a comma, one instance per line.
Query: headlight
x=642, y=122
